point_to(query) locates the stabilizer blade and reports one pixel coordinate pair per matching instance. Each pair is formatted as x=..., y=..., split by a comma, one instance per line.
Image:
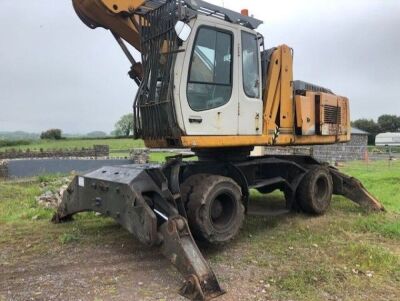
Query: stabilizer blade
x=354, y=190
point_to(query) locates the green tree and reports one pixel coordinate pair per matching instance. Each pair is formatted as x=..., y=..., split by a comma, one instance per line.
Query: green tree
x=368, y=125
x=124, y=126
x=389, y=123
x=52, y=134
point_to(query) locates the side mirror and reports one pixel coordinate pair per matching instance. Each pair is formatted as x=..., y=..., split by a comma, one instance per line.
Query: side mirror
x=182, y=30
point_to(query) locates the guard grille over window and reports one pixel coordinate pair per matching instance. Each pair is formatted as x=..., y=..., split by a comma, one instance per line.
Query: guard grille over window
x=154, y=112
x=332, y=114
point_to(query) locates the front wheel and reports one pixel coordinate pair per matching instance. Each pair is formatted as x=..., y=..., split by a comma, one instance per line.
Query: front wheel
x=214, y=207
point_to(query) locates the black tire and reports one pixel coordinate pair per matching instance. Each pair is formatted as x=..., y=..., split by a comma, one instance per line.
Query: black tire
x=314, y=193
x=214, y=207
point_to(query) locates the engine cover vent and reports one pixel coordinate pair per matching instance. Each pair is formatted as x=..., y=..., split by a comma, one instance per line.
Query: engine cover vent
x=332, y=114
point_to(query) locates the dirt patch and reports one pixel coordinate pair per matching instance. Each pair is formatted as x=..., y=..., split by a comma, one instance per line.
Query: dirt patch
x=127, y=271
x=109, y=264
x=119, y=271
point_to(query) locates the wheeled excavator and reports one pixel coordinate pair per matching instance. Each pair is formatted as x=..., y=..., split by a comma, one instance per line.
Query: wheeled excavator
x=207, y=82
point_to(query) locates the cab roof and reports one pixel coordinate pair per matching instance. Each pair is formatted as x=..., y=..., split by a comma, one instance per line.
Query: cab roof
x=208, y=9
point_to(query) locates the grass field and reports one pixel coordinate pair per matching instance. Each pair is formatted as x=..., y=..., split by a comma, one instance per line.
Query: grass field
x=346, y=254
x=119, y=148
x=381, y=177
x=115, y=144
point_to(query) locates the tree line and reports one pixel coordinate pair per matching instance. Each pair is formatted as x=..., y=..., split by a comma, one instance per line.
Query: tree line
x=385, y=123
x=124, y=127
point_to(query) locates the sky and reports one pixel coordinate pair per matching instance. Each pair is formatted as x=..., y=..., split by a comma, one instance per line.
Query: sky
x=57, y=73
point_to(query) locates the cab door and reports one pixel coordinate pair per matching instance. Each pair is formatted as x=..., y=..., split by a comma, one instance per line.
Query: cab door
x=250, y=85
x=208, y=88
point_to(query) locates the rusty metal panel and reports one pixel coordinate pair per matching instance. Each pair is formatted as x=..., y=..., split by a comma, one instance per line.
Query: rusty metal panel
x=305, y=114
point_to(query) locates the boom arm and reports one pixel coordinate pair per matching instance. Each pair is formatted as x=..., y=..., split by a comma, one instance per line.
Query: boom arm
x=115, y=15
x=119, y=16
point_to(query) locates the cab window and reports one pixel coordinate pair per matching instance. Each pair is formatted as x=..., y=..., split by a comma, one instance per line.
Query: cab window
x=210, y=76
x=251, y=72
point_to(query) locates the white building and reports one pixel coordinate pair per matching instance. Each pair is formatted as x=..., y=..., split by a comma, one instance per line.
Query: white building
x=387, y=139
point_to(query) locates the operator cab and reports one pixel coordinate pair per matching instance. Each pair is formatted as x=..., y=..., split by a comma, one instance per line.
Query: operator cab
x=216, y=85
x=220, y=79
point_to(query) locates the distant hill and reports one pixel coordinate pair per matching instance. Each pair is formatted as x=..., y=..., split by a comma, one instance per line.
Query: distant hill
x=96, y=134
x=72, y=135
x=19, y=135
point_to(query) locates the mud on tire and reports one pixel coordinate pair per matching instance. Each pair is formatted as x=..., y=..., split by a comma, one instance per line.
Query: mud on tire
x=214, y=207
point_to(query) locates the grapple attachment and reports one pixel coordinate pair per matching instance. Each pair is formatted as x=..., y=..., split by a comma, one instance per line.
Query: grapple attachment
x=138, y=198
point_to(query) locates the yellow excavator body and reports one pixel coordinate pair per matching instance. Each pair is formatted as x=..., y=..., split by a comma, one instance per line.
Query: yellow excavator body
x=206, y=82
x=288, y=117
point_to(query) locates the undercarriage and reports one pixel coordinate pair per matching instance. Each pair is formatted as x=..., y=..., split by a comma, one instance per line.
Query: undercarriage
x=173, y=205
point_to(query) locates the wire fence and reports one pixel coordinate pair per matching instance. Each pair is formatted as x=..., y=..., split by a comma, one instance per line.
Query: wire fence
x=347, y=157
x=354, y=157
x=371, y=167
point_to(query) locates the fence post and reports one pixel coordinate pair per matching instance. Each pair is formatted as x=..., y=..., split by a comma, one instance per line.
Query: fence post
x=3, y=169
x=101, y=151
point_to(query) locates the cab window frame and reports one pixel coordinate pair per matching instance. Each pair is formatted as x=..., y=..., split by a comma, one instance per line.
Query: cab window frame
x=232, y=67
x=259, y=93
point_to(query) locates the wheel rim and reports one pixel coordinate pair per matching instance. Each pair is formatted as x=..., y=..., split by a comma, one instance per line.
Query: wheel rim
x=222, y=210
x=321, y=189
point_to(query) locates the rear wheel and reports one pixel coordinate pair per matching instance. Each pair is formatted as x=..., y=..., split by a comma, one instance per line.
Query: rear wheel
x=214, y=207
x=314, y=193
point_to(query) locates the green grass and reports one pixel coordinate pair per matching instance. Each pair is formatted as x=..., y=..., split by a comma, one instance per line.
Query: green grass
x=14, y=143
x=334, y=256
x=71, y=236
x=385, y=224
x=115, y=144
x=25, y=208
x=381, y=178
x=119, y=148
x=324, y=258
